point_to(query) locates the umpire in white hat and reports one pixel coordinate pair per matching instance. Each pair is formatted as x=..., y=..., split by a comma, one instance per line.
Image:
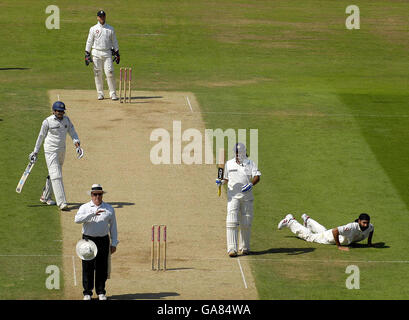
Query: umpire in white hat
x=99, y=225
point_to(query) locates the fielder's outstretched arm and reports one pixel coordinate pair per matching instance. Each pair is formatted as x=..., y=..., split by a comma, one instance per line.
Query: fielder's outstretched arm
x=370, y=239
x=335, y=233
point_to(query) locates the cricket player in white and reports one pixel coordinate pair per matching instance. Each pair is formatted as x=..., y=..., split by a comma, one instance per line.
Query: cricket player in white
x=342, y=236
x=53, y=132
x=103, y=43
x=240, y=174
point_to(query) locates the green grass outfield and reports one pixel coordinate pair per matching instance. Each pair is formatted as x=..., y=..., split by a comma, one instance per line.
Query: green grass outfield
x=330, y=105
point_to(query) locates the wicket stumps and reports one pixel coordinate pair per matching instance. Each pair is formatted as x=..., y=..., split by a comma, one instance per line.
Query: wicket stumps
x=157, y=228
x=125, y=79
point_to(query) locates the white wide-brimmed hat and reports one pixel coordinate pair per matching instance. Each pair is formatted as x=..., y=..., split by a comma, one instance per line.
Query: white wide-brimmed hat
x=86, y=249
x=96, y=188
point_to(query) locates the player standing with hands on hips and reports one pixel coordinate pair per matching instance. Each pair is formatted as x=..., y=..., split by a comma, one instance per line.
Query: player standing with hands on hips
x=102, y=40
x=54, y=132
x=241, y=175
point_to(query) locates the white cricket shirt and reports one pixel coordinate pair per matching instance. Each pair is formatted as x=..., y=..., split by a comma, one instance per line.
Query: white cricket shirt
x=353, y=233
x=238, y=176
x=101, y=39
x=54, y=131
x=98, y=225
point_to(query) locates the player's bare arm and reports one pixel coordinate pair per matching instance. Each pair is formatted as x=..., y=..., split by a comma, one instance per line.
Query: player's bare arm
x=255, y=180
x=335, y=233
x=370, y=239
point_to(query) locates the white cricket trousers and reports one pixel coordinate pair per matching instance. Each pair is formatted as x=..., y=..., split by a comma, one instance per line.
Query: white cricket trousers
x=54, y=161
x=104, y=64
x=239, y=214
x=313, y=232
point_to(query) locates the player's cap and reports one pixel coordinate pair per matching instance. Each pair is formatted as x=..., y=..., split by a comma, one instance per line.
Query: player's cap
x=58, y=106
x=96, y=188
x=86, y=249
x=101, y=13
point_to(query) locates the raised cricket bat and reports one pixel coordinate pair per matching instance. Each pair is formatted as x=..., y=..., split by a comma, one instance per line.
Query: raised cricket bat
x=24, y=177
x=220, y=169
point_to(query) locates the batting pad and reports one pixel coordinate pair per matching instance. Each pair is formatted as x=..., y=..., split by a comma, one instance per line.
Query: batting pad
x=59, y=192
x=47, y=191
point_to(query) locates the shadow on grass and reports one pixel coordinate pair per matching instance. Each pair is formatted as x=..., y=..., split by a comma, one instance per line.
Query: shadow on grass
x=75, y=206
x=134, y=296
x=115, y=205
x=378, y=245
x=289, y=251
x=17, y=68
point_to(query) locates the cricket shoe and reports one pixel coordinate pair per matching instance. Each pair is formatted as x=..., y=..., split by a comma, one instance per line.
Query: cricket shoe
x=114, y=97
x=64, y=207
x=305, y=217
x=232, y=253
x=87, y=297
x=100, y=97
x=284, y=223
x=244, y=252
x=49, y=202
x=102, y=296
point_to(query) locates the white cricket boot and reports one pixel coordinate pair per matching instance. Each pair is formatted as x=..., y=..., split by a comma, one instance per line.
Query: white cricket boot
x=114, y=97
x=64, y=207
x=102, y=296
x=232, y=253
x=305, y=217
x=284, y=223
x=49, y=202
x=244, y=252
x=87, y=297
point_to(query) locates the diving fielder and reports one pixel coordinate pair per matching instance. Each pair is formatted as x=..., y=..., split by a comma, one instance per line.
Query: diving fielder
x=240, y=174
x=102, y=40
x=53, y=132
x=342, y=236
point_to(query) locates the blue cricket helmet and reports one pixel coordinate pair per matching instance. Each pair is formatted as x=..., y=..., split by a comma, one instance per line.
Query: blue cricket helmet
x=58, y=106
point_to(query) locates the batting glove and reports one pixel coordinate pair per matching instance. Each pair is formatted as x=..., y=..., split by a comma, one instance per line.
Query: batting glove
x=32, y=157
x=247, y=187
x=219, y=182
x=80, y=152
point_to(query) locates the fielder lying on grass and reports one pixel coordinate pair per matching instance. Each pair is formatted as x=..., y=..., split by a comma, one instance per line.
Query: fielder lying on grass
x=312, y=231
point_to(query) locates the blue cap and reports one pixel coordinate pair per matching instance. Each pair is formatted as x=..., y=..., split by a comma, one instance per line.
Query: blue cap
x=58, y=106
x=101, y=13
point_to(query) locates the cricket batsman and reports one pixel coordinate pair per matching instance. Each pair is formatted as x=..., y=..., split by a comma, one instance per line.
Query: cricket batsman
x=342, y=236
x=102, y=44
x=53, y=132
x=241, y=175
